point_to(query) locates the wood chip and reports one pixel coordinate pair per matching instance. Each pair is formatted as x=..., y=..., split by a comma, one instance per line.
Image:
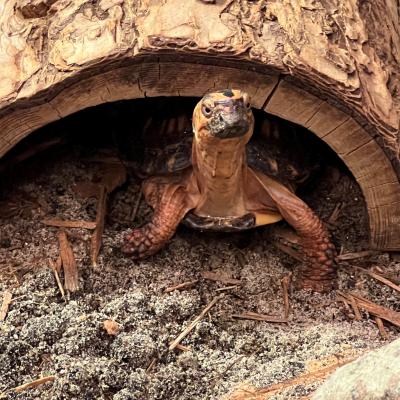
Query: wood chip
x=112, y=328
x=71, y=277
x=260, y=317
x=285, y=289
x=192, y=325
x=381, y=328
x=100, y=218
x=70, y=224
x=34, y=383
x=375, y=309
x=354, y=256
x=180, y=286
x=213, y=276
x=7, y=298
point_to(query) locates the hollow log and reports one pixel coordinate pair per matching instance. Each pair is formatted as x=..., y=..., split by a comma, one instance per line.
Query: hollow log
x=330, y=66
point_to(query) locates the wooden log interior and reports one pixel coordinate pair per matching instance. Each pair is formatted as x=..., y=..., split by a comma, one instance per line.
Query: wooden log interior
x=332, y=67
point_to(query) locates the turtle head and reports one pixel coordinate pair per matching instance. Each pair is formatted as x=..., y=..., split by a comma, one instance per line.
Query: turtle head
x=225, y=114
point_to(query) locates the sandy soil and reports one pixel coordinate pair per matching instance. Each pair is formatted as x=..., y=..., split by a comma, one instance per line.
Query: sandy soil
x=44, y=335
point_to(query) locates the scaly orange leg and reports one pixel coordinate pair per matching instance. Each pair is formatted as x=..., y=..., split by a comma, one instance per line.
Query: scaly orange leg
x=168, y=213
x=318, y=271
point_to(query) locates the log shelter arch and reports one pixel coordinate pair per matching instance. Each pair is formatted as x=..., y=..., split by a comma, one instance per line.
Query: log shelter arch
x=270, y=91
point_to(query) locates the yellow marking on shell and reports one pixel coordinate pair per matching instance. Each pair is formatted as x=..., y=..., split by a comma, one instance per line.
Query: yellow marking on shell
x=267, y=218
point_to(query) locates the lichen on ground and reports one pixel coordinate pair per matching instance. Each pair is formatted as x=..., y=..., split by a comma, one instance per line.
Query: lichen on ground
x=44, y=335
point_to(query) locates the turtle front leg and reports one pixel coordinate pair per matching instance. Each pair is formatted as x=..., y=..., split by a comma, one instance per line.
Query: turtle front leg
x=168, y=213
x=318, y=271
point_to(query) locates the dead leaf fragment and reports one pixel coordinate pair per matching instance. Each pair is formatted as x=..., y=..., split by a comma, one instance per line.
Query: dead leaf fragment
x=112, y=328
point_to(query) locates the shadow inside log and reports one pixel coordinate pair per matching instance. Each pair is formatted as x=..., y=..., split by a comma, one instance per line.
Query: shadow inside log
x=153, y=135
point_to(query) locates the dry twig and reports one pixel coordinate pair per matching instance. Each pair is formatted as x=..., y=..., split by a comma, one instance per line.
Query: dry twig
x=180, y=286
x=289, y=250
x=31, y=151
x=375, y=309
x=246, y=392
x=34, y=383
x=378, y=278
x=213, y=276
x=260, y=317
x=56, y=267
x=98, y=232
x=181, y=347
x=70, y=224
x=356, y=310
x=306, y=378
x=222, y=289
x=152, y=364
x=135, y=208
x=354, y=256
x=381, y=328
x=335, y=214
x=189, y=328
x=285, y=288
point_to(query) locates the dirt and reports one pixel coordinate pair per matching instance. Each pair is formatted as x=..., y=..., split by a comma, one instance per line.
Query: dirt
x=43, y=335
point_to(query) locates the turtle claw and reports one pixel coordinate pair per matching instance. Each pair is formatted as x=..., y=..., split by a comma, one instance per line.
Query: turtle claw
x=319, y=286
x=141, y=243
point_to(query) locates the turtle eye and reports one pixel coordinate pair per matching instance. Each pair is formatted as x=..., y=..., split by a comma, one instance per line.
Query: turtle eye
x=206, y=110
x=246, y=102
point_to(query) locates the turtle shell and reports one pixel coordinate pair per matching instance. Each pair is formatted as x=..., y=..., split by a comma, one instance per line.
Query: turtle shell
x=276, y=149
x=164, y=145
x=280, y=150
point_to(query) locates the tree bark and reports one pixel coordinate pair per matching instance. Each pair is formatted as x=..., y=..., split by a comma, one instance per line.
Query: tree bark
x=331, y=66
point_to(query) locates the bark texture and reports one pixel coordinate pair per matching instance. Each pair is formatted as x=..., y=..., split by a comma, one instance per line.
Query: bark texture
x=331, y=66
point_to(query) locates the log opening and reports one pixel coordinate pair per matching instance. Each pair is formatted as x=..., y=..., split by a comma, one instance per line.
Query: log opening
x=361, y=152
x=119, y=130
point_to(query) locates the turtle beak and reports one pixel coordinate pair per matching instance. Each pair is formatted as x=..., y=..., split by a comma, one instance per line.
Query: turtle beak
x=229, y=120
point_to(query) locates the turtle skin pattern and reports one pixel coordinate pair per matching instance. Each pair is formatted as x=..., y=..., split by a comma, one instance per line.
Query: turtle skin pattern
x=149, y=239
x=179, y=194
